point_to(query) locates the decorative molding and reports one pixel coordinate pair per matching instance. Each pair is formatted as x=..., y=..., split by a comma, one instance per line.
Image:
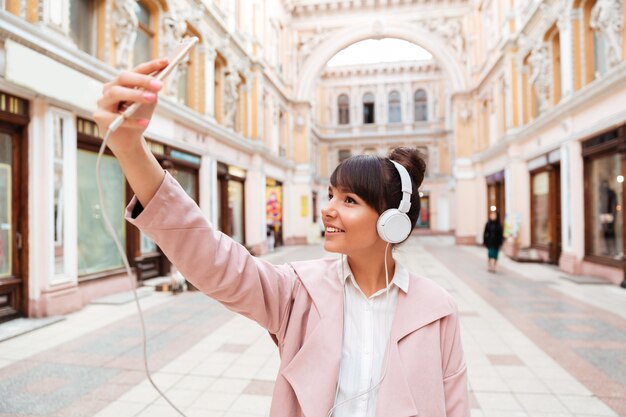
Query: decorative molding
x=125, y=23
x=541, y=74
x=607, y=21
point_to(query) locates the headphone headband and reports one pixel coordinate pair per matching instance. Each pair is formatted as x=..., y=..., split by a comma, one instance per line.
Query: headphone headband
x=407, y=187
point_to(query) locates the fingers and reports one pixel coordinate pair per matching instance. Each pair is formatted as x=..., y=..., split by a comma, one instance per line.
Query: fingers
x=133, y=79
x=116, y=94
x=151, y=66
x=104, y=119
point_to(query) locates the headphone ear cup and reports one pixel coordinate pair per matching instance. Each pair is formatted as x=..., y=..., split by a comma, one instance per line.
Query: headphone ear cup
x=393, y=226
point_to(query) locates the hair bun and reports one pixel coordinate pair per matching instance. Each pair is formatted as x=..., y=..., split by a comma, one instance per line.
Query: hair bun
x=414, y=162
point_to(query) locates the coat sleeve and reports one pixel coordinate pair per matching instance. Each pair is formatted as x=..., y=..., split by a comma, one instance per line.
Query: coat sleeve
x=454, y=368
x=485, y=236
x=213, y=262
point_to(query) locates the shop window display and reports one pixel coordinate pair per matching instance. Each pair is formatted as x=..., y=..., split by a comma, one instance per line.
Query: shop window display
x=540, y=208
x=96, y=249
x=605, y=207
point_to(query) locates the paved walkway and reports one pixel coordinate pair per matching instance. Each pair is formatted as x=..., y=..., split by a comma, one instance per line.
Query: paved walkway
x=537, y=346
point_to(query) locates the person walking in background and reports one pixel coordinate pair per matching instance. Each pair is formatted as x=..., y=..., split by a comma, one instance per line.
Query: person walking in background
x=493, y=239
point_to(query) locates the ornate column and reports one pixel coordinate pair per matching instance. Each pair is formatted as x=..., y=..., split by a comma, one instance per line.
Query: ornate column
x=356, y=118
x=607, y=20
x=380, y=105
x=247, y=91
x=125, y=23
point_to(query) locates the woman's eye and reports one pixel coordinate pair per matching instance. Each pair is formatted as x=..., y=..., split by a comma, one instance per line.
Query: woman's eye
x=350, y=200
x=330, y=196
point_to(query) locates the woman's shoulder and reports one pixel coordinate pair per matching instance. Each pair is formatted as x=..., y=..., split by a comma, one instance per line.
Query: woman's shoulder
x=431, y=290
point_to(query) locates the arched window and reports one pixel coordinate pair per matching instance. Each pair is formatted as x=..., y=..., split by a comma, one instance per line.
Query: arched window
x=395, y=112
x=420, y=105
x=368, y=108
x=343, y=108
x=144, y=44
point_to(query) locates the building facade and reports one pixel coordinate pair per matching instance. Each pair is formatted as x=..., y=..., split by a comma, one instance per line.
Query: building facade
x=522, y=101
x=548, y=115
x=222, y=128
x=372, y=109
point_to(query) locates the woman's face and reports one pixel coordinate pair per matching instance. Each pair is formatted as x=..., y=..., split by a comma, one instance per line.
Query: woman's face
x=350, y=224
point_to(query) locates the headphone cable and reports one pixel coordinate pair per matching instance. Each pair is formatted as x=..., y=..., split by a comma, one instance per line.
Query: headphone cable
x=109, y=227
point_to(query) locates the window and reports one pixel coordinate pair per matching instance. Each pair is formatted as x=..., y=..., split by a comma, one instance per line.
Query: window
x=58, y=195
x=540, y=208
x=182, y=83
x=604, y=180
x=343, y=107
x=368, y=108
x=395, y=108
x=274, y=49
x=344, y=154
x=144, y=44
x=83, y=24
x=556, y=67
x=189, y=76
x=96, y=249
x=599, y=54
x=420, y=106
x=6, y=206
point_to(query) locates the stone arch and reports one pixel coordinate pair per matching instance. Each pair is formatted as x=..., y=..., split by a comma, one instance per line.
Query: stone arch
x=340, y=39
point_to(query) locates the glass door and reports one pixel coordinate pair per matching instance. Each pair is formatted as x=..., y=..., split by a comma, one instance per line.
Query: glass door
x=10, y=238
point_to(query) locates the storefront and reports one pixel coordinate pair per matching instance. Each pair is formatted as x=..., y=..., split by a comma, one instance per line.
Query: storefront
x=274, y=212
x=604, y=171
x=185, y=167
x=97, y=254
x=423, y=221
x=14, y=119
x=496, y=194
x=545, y=206
x=231, y=201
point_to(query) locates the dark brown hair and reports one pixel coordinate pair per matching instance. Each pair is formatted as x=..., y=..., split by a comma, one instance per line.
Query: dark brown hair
x=377, y=181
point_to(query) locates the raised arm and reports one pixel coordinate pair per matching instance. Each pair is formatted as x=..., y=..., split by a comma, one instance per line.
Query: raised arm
x=140, y=167
x=212, y=261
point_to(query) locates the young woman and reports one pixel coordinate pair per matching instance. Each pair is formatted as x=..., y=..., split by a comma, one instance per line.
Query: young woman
x=338, y=327
x=493, y=238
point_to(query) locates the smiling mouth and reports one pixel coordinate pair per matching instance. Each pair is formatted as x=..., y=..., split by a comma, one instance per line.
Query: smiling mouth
x=334, y=230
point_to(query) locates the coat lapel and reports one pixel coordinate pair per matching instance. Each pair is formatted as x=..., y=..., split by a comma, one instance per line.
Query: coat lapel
x=313, y=372
x=423, y=304
x=420, y=306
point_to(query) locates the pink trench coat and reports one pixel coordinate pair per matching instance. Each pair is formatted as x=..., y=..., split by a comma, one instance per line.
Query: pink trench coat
x=301, y=305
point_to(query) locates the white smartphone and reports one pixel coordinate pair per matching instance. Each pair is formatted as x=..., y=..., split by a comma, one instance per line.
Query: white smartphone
x=174, y=58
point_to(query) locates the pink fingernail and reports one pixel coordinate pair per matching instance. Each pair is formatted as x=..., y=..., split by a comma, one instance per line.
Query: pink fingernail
x=144, y=122
x=149, y=96
x=156, y=84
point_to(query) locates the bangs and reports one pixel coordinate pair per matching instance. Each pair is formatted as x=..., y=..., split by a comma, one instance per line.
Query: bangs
x=361, y=175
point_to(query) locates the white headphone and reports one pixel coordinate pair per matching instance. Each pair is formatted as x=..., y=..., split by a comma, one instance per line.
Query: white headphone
x=394, y=225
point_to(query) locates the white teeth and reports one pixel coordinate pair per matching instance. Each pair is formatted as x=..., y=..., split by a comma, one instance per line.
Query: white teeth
x=333, y=230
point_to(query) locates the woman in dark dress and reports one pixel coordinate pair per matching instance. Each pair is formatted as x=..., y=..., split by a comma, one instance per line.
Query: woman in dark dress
x=493, y=239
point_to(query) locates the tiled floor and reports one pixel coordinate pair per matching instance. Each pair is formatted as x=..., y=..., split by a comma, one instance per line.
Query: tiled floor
x=537, y=346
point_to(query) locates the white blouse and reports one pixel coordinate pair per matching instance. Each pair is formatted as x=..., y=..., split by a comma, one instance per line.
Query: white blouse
x=367, y=324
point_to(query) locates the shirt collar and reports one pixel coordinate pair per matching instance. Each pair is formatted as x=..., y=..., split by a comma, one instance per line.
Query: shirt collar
x=400, y=277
